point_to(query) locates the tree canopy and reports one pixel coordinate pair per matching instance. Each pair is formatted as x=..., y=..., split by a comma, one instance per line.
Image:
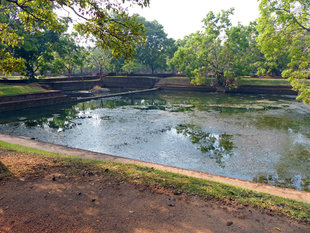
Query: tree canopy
x=220, y=50
x=107, y=21
x=154, y=53
x=284, y=30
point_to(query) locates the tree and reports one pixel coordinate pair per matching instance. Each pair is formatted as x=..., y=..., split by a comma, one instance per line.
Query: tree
x=68, y=55
x=107, y=21
x=220, y=50
x=155, y=52
x=100, y=59
x=242, y=50
x=37, y=51
x=284, y=28
x=132, y=66
x=8, y=40
x=186, y=59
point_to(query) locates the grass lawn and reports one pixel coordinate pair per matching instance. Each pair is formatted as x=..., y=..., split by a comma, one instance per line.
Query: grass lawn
x=129, y=76
x=19, y=89
x=156, y=178
x=263, y=82
x=175, y=81
x=240, y=81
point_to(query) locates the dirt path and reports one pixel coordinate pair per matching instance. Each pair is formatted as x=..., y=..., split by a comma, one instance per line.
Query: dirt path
x=277, y=191
x=55, y=202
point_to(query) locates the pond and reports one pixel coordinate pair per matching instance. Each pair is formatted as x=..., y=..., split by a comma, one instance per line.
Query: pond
x=260, y=138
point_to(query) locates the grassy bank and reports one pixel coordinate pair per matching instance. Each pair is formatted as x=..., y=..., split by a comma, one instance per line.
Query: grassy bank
x=20, y=89
x=153, y=178
x=263, y=82
x=240, y=81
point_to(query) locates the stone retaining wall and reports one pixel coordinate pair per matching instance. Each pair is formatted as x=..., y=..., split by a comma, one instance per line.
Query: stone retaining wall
x=77, y=78
x=9, y=98
x=74, y=86
x=128, y=82
x=17, y=102
x=110, y=82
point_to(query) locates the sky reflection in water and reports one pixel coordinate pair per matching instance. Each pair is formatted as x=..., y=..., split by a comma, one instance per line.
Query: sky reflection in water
x=260, y=138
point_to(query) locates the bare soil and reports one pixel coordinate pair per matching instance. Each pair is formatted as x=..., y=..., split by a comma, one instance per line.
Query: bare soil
x=40, y=197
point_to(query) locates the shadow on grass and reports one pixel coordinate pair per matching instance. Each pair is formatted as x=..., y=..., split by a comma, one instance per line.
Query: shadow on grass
x=4, y=171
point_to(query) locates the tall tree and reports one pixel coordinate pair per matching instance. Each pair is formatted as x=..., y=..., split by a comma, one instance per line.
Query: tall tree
x=220, y=50
x=37, y=51
x=242, y=50
x=284, y=27
x=156, y=49
x=99, y=59
x=106, y=20
x=68, y=55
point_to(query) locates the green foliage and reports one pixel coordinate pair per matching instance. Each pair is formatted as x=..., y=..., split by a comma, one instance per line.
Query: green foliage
x=221, y=51
x=99, y=59
x=132, y=66
x=68, y=55
x=37, y=51
x=157, y=49
x=107, y=21
x=285, y=32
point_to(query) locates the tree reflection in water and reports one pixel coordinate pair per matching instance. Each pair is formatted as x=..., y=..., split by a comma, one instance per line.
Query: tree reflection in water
x=60, y=122
x=217, y=146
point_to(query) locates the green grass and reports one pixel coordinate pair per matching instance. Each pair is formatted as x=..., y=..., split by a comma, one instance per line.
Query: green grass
x=58, y=76
x=19, y=89
x=13, y=77
x=175, y=81
x=263, y=82
x=240, y=81
x=174, y=182
x=129, y=76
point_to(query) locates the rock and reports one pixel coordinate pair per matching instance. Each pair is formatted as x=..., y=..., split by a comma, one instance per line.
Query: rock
x=170, y=202
x=100, y=90
x=229, y=223
x=28, y=221
x=177, y=193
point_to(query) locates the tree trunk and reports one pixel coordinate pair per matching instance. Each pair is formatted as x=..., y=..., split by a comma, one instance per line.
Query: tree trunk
x=100, y=71
x=69, y=73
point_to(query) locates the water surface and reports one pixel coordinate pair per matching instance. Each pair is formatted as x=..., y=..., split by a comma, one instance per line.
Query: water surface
x=260, y=138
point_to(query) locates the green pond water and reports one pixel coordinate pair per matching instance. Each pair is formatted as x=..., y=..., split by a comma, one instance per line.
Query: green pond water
x=259, y=138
